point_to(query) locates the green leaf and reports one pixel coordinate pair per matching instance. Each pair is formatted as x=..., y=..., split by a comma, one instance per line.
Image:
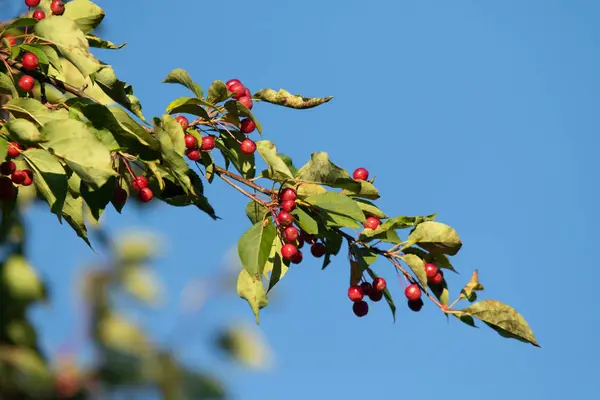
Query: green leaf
x=252, y=289
x=255, y=245
x=217, y=92
x=95, y=41
x=3, y=148
x=306, y=221
x=38, y=51
x=34, y=111
x=172, y=159
x=73, y=213
x=322, y=171
x=245, y=345
x=417, y=266
x=268, y=151
x=275, y=266
x=401, y=222
x=370, y=209
x=333, y=244
x=73, y=142
x=117, y=90
x=386, y=294
x=195, y=385
x=187, y=105
x=175, y=132
x=181, y=77
x=286, y=99
x=337, y=209
x=440, y=260
x=23, y=131
x=364, y=189
x=70, y=41
x=256, y=212
x=503, y=319
x=435, y=237
x=441, y=292
x=86, y=14
x=230, y=148
x=467, y=319
x=132, y=128
x=20, y=23
x=7, y=86
x=98, y=199
x=50, y=178
x=244, y=111
x=21, y=280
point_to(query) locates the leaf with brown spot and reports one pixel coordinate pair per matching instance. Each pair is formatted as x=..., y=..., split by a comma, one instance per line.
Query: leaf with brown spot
x=286, y=99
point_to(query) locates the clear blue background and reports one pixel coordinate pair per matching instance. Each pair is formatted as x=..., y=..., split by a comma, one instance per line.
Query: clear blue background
x=483, y=111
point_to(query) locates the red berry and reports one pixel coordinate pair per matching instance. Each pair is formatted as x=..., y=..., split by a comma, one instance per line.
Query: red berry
x=190, y=141
x=39, y=15
x=32, y=3
x=28, y=178
x=287, y=194
x=30, y=61
x=290, y=234
x=379, y=284
x=7, y=167
x=437, y=279
x=361, y=174
x=231, y=82
x=11, y=39
x=193, y=154
x=413, y=292
x=247, y=101
x=360, y=309
x=318, y=250
x=355, y=293
x=26, y=83
x=183, y=121
x=415, y=305
x=289, y=251
x=145, y=195
x=237, y=89
x=208, y=143
x=375, y=295
x=297, y=259
x=140, y=182
x=57, y=7
x=120, y=195
x=247, y=93
x=247, y=126
x=248, y=147
x=288, y=206
x=366, y=287
x=431, y=270
x=285, y=218
x=7, y=189
x=372, y=223
x=14, y=149
x=18, y=176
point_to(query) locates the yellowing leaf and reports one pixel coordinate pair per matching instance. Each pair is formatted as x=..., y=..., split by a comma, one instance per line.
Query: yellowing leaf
x=286, y=99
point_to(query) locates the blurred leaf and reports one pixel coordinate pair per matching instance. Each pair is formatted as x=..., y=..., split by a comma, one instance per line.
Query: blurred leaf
x=142, y=284
x=245, y=345
x=31, y=376
x=21, y=280
x=196, y=385
x=117, y=332
x=134, y=248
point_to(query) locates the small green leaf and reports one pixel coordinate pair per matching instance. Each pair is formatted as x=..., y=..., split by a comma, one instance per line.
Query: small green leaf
x=417, y=266
x=322, y=171
x=73, y=213
x=435, y=237
x=70, y=41
x=268, y=151
x=86, y=14
x=337, y=209
x=306, y=221
x=7, y=86
x=181, y=77
x=50, y=178
x=370, y=209
x=386, y=294
x=255, y=245
x=217, y=92
x=503, y=319
x=175, y=131
x=3, y=148
x=95, y=41
x=252, y=289
x=401, y=222
x=188, y=105
x=23, y=131
x=256, y=212
x=286, y=99
x=364, y=189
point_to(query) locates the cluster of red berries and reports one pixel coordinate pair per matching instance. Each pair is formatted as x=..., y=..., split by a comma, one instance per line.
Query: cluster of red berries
x=30, y=62
x=361, y=174
x=192, y=151
x=57, y=7
x=357, y=293
x=242, y=94
x=9, y=168
x=293, y=237
x=140, y=185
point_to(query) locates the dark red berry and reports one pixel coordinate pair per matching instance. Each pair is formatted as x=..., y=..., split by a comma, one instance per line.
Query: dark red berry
x=7, y=189
x=120, y=195
x=287, y=194
x=366, y=287
x=355, y=293
x=247, y=101
x=247, y=126
x=437, y=279
x=28, y=178
x=140, y=182
x=415, y=305
x=300, y=242
x=14, y=149
x=32, y=3
x=183, y=121
x=30, y=61
x=297, y=259
x=237, y=89
x=145, y=195
x=375, y=295
x=18, y=176
x=288, y=205
x=318, y=250
x=289, y=251
x=372, y=223
x=57, y=7
x=379, y=284
x=7, y=167
x=361, y=174
x=290, y=234
x=39, y=15
x=360, y=309
x=285, y=218
x=231, y=82
x=431, y=270
x=307, y=238
x=208, y=143
x=190, y=141
x=413, y=292
x=193, y=154
x=26, y=83
x=248, y=147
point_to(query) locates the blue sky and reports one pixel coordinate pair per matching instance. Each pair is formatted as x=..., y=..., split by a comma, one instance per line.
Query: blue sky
x=485, y=112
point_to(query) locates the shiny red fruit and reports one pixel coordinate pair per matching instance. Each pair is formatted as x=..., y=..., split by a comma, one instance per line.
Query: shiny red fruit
x=247, y=147
x=208, y=143
x=247, y=93
x=28, y=178
x=145, y=195
x=355, y=293
x=247, y=126
x=231, y=82
x=297, y=259
x=284, y=218
x=413, y=292
x=289, y=251
x=39, y=15
x=193, y=154
x=18, y=177
x=318, y=250
x=140, y=182
x=290, y=234
x=183, y=121
x=288, y=205
x=26, y=83
x=431, y=270
x=237, y=89
x=32, y=3
x=14, y=149
x=7, y=167
x=190, y=141
x=372, y=223
x=360, y=174
x=30, y=61
x=437, y=279
x=287, y=194
x=247, y=101
x=379, y=284
x=57, y=7
x=360, y=309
